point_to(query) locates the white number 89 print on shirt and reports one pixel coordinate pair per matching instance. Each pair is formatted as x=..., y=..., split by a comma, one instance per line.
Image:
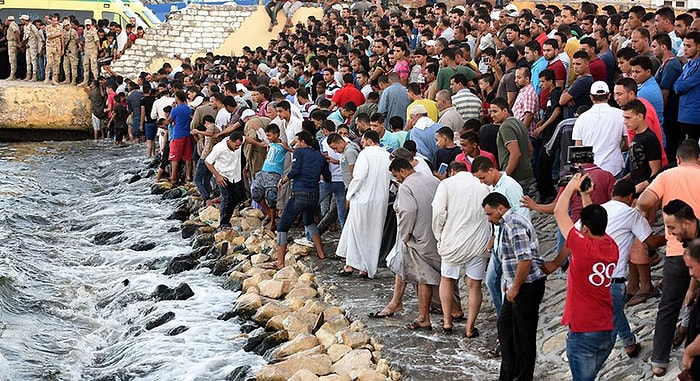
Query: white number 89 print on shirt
x=601, y=274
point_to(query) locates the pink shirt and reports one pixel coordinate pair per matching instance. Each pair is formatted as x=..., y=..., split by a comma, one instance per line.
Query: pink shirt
x=463, y=158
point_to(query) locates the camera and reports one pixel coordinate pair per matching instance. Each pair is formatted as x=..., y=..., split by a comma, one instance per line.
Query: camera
x=576, y=156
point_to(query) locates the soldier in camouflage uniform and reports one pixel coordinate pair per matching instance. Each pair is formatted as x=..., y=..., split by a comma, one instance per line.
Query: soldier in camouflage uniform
x=33, y=39
x=91, y=47
x=71, y=41
x=13, y=41
x=54, y=50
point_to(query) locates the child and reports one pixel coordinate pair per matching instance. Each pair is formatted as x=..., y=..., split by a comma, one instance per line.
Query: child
x=163, y=130
x=119, y=115
x=264, y=187
x=396, y=125
x=469, y=142
x=447, y=150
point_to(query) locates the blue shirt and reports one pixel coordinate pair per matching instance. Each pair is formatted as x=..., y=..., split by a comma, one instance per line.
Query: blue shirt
x=393, y=102
x=181, y=116
x=688, y=89
x=651, y=91
x=535, y=71
x=307, y=167
x=274, y=162
x=389, y=141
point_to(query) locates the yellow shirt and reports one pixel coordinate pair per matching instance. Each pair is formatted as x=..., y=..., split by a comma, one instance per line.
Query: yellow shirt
x=429, y=105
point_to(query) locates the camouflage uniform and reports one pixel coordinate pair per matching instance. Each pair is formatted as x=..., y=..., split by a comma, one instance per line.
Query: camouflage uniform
x=72, y=55
x=33, y=39
x=90, y=58
x=12, y=44
x=54, y=50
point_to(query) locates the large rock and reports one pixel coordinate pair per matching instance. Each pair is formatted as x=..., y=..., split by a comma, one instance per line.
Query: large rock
x=247, y=304
x=300, y=343
x=354, y=339
x=180, y=264
x=161, y=187
x=353, y=363
x=337, y=351
x=36, y=106
x=272, y=288
x=298, y=323
x=252, y=212
x=181, y=292
x=335, y=377
x=105, y=238
x=166, y=317
x=370, y=375
x=225, y=235
x=242, y=373
x=210, y=216
x=302, y=292
x=189, y=228
x=269, y=310
x=304, y=375
x=142, y=246
x=283, y=371
x=287, y=273
x=265, y=341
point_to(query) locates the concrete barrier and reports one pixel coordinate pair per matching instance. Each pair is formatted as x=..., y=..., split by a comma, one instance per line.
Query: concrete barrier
x=39, y=106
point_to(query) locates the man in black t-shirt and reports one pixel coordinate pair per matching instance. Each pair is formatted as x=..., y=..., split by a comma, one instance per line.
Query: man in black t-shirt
x=646, y=151
x=578, y=94
x=543, y=131
x=447, y=150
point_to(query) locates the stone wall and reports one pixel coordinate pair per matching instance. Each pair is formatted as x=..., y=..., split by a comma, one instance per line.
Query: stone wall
x=196, y=29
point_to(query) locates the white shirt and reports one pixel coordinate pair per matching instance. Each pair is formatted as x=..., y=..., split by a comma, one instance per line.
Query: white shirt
x=459, y=223
x=122, y=39
x=158, y=106
x=602, y=127
x=222, y=117
x=336, y=173
x=227, y=162
x=292, y=128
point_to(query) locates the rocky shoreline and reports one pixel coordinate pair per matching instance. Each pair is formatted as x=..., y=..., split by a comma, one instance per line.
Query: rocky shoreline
x=305, y=337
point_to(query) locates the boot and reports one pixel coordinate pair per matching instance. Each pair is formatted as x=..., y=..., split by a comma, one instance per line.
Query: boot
x=82, y=84
x=46, y=80
x=73, y=82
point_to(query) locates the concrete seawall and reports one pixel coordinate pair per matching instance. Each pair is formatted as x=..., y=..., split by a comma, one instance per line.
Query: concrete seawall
x=32, y=106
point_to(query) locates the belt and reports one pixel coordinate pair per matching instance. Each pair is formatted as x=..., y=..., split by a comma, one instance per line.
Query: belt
x=619, y=280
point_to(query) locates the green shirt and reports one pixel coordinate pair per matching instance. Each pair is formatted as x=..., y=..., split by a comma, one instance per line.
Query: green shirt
x=444, y=75
x=511, y=130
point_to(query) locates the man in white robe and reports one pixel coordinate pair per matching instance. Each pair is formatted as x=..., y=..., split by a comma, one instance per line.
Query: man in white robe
x=368, y=195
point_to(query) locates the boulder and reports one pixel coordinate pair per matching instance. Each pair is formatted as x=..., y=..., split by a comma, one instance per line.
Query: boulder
x=314, y=306
x=300, y=250
x=370, y=375
x=298, y=323
x=134, y=178
x=272, y=288
x=247, y=304
x=181, y=292
x=287, y=273
x=173, y=194
x=335, y=377
x=142, y=246
x=270, y=310
x=180, y=264
x=189, y=228
x=337, y=351
x=354, y=339
x=283, y=371
x=181, y=214
x=265, y=341
x=258, y=259
x=105, y=238
x=253, y=212
x=306, y=278
x=276, y=323
x=166, y=317
x=353, y=363
x=177, y=330
x=326, y=336
x=203, y=240
x=332, y=311
x=304, y=375
x=161, y=188
x=242, y=373
x=302, y=292
x=294, y=304
x=225, y=235
x=298, y=344
x=254, y=280
x=210, y=216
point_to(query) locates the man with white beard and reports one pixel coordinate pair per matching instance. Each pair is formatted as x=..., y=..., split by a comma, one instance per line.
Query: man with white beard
x=368, y=195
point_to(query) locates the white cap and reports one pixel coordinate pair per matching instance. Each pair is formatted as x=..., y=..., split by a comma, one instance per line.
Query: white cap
x=430, y=43
x=241, y=87
x=418, y=109
x=599, y=88
x=10, y=18
x=24, y=17
x=246, y=113
x=88, y=21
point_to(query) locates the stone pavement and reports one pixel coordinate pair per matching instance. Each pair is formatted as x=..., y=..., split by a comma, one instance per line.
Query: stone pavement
x=431, y=355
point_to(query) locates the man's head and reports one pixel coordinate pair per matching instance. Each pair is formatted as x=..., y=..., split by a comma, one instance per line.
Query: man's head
x=272, y=131
x=499, y=110
x=688, y=151
x=444, y=137
x=594, y=220
x=624, y=191
x=600, y=93
x=625, y=90
x=580, y=63
x=680, y=220
x=469, y=143
x=640, y=40
x=550, y=49
x=370, y=138
x=401, y=168
x=336, y=142
x=483, y=169
x=443, y=100
x=690, y=45
x=458, y=82
x=495, y=206
x=532, y=51
x=547, y=79
x=691, y=257
x=641, y=69
x=234, y=140
x=634, y=113
x=284, y=110
x=522, y=76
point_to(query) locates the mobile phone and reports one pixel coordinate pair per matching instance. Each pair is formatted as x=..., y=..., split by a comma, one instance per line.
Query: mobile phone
x=443, y=169
x=487, y=60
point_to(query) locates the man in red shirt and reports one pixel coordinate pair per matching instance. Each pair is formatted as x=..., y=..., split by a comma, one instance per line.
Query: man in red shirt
x=595, y=65
x=348, y=93
x=550, y=51
x=588, y=311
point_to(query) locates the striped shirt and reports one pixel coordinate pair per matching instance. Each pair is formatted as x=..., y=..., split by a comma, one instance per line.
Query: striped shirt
x=517, y=241
x=527, y=101
x=467, y=104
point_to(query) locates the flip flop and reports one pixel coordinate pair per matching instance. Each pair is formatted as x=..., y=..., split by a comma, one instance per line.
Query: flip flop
x=271, y=266
x=474, y=334
x=455, y=319
x=658, y=371
x=415, y=326
x=379, y=315
x=362, y=275
x=447, y=330
x=342, y=272
x=634, y=352
x=641, y=298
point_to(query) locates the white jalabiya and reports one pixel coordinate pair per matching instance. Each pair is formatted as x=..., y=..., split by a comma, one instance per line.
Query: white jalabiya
x=368, y=194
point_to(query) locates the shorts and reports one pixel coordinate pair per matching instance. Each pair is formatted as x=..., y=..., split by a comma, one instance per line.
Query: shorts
x=265, y=185
x=474, y=268
x=639, y=254
x=136, y=127
x=97, y=123
x=150, y=130
x=181, y=149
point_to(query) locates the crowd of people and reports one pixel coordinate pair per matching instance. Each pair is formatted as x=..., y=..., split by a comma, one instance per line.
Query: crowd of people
x=429, y=136
x=64, y=51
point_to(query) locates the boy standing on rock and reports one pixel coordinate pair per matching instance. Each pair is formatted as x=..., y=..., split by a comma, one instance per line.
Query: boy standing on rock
x=264, y=188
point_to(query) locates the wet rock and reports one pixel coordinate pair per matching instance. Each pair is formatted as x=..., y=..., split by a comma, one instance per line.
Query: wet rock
x=105, y=238
x=181, y=214
x=166, y=317
x=300, y=343
x=272, y=288
x=242, y=373
x=161, y=188
x=228, y=315
x=149, y=173
x=203, y=240
x=210, y=216
x=180, y=264
x=353, y=363
x=125, y=282
x=142, y=246
x=173, y=229
x=265, y=341
x=154, y=264
x=134, y=178
x=177, y=330
x=269, y=310
x=247, y=304
x=189, y=228
x=337, y=351
x=181, y=292
x=231, y=285
x=283, y=371
x=172, y=194
x=249, y=327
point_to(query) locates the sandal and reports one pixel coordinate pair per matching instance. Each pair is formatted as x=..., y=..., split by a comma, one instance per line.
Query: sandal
x=447, y=330
x=379, y=315
x=474, y=334
x=343, y=272
x=641, y=298
x=634, y=352
x=362, y=275
x=658, y=371
x=415, y=326
x=272, y=266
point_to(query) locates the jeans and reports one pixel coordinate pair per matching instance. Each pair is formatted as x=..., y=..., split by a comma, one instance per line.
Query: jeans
x=273, y=8
x=517, y=331
x=493, y=281
x=202, y=179
x=587, y=352
x=300, y=202
x=337, y=189
x=676, y=281
x=232, y=194
x=41, y=67
x=621, y=327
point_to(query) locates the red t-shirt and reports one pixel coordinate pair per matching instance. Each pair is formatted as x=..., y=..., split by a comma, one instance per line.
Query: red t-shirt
x=588, y=306
x=559, y=70
x=463, y=159
x=599, y=71
x=348, y=93
x=602, y=191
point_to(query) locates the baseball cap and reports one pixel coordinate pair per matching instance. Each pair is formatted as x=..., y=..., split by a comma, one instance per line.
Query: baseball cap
x=24, y=17
x=430, y=43
x=599, y=88
x=11, y=18
x=88, y=22
x=246, y=113
x=418, y=109
x=241, y=87
x=511, y=53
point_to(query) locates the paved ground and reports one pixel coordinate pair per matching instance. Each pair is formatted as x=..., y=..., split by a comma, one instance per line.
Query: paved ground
x=430, y=355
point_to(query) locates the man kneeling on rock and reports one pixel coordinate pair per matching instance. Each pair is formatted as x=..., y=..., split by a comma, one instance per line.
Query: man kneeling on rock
x=308, y=165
